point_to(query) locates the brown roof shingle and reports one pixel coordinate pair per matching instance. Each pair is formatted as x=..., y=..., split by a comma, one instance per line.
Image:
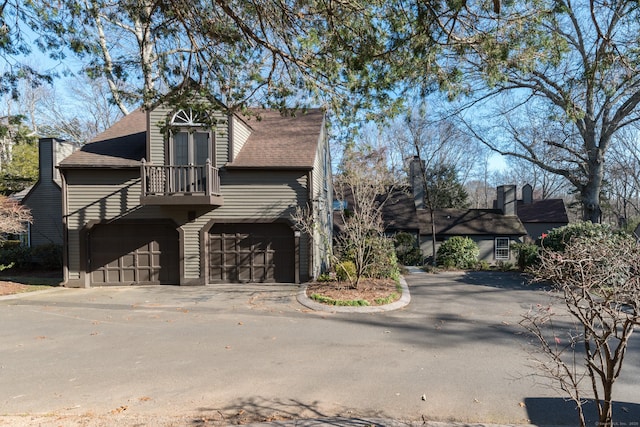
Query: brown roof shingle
x=545, y=210
x=276, y=141
x=122, y=145
x=279, y=141
x=467, y=222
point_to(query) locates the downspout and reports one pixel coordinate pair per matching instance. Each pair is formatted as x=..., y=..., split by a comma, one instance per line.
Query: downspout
x=312, y=211
x=65, y=230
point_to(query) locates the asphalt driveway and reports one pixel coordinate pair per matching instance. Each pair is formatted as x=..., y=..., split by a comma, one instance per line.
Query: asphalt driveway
x=238, y=353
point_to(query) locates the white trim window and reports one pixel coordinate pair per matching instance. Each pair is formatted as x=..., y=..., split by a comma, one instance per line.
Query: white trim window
x=502, y=248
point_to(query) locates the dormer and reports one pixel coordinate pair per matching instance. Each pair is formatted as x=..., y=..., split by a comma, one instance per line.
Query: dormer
x=186, y=147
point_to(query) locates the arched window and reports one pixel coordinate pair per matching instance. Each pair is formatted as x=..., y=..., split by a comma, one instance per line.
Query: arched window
x=190, y=138
x=190, y=146
x=189, y=117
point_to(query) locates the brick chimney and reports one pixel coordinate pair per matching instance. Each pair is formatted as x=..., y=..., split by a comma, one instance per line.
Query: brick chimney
x=417, y=184
x=507, y=199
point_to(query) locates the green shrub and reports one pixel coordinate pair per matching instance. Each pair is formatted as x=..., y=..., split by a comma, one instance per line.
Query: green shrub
x=346, y=271
x=17, y=256
x=380, y=258
x=344, y=303
x=505, y=266
x=6, y=244
x=558, y=238
x=326, y=277
x=527, y=254
x=383, y=260
x=482, y=265
x=406, y=250
x=458, y=252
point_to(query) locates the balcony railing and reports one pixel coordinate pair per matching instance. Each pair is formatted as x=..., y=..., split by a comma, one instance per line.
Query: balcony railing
x=180, y=184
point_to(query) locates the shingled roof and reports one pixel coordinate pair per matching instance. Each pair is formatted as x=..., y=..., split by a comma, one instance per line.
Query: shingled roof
x=122, y=145
x=545, y=210
x=276, y=141
x=280, y=141
x=469, y=222
x=399, y=214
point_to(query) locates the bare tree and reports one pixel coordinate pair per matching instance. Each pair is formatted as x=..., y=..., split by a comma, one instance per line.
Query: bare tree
x=13, y=217
x=622, y=181
x=361, y=187
x=573, y=66
x=598, y=280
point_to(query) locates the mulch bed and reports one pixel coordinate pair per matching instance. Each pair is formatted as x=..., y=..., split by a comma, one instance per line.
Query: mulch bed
x=10, y=288
x=368, y=290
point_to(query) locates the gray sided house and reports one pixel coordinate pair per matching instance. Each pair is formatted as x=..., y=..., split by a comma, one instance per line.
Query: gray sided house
x=493, y=230
x=542, y=215
x=44, y=197
x=490, y=229
x=194, y=197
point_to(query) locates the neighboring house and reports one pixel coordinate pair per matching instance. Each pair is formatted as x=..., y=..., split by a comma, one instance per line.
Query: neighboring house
x=490, y=229
x=193, y=197
x=493, y=230
x=44, y=198
x=540, y=216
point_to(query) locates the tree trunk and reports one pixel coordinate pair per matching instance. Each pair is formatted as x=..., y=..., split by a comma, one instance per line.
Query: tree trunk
x=590, y=192
x=433, y=237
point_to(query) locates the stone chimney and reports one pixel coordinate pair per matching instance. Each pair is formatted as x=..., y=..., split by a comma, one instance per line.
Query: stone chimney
x=527, y=194
x=507, y=199
x=417, y=184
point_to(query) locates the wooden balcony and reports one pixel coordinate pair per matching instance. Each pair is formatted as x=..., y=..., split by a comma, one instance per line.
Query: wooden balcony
x=180, y=185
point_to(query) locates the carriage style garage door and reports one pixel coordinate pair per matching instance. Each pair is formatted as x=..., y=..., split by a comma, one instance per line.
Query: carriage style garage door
x=251, y=253
x=140, y=253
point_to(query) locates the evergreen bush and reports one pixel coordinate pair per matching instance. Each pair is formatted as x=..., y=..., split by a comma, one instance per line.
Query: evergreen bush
x=458, y=252
x=558, y=238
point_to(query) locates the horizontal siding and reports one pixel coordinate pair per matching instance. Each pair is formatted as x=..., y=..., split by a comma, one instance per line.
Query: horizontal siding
x=241, y=133
x=97, y=196
x=322, y=192
x=221, y=133
x=114, y=194
x=191, y=245
x=108, y=195
x=45, y=203
x=255, y=194
x=73, y=253
x=157, y=118
x=157, y=139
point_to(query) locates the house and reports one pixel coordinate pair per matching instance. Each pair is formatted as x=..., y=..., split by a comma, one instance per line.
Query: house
x=44, y=198
x=493, y=230
x=195, y=196
x=540, y=216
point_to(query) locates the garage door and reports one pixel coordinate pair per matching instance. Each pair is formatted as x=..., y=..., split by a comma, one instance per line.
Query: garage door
x=125, y=254
x=251, y=253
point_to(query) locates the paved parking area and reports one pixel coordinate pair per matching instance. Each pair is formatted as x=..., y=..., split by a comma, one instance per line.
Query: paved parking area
x=241, y=353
